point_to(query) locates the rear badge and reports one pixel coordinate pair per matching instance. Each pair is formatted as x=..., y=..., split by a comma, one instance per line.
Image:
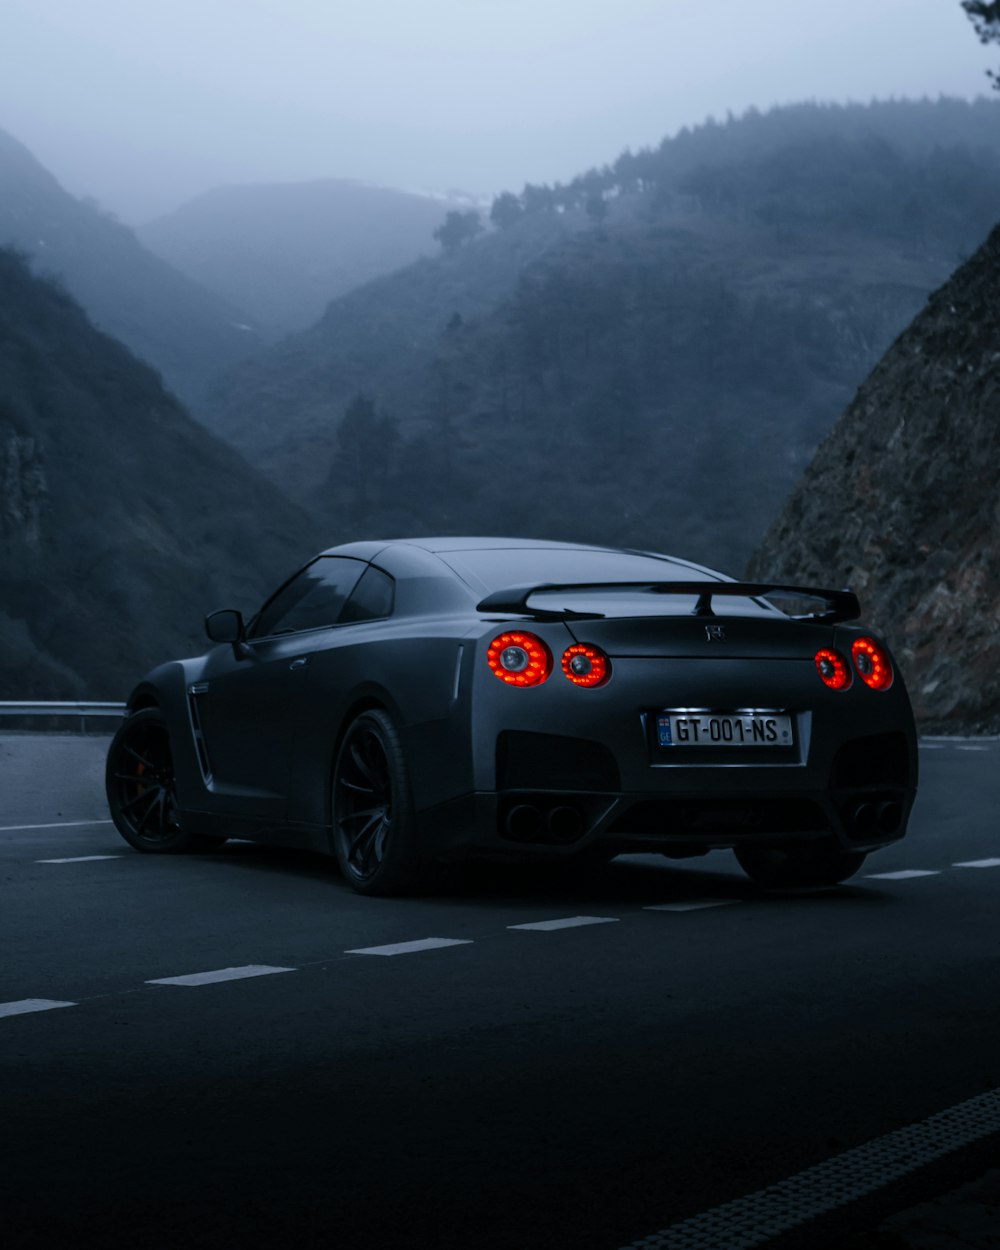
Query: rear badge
x=715, y=633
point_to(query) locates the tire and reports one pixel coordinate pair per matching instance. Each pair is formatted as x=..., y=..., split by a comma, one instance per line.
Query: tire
x=815, y=864
x=139, y=780
x=372, y=810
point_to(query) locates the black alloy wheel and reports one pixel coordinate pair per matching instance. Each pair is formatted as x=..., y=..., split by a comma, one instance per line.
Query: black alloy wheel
x=141, y=789
x=372, y=812
x=812, y=864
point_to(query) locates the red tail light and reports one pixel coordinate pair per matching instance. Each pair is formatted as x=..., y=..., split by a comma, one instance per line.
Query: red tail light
x=832, y=667
x=519, y=659
x=586, y=666
x=872, y=662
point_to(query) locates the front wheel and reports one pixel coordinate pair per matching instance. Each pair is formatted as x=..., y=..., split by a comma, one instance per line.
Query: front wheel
x=813, y=864
x=373, y=827
x=139, y=780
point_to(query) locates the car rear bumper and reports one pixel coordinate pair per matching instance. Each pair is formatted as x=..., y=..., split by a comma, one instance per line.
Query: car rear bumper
x=553, y=824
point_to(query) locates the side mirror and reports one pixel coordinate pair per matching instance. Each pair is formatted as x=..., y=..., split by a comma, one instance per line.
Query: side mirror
x=226, y=625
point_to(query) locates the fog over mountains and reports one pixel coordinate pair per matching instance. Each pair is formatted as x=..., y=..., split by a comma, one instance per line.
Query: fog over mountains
x=282, y=252
x=648, y=355
x=670, y=336
x=183, y=329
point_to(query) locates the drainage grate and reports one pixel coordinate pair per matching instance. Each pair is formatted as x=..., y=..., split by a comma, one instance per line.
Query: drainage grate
x=758, y=1217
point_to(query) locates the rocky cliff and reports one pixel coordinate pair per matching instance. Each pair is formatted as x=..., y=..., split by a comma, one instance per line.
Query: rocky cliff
x=902, y=502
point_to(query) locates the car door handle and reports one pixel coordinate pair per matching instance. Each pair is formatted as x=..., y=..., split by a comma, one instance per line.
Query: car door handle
x=301, y=662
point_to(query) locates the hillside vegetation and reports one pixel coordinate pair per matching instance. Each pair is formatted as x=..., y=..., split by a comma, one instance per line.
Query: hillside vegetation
x=168, y=320
x=648, y=355
x=282, y=251
x=122, y=521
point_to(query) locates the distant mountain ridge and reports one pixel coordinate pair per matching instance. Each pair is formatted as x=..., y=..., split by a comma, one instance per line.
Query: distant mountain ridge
x=283, y=251
x=122, y=521
x=671, y=336
x=178, y=327
x=901, y=502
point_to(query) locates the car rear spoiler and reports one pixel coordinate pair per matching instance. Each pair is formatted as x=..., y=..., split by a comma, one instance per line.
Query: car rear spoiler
x=841, y=605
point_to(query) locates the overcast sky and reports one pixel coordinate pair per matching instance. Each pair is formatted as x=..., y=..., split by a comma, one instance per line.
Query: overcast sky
x=143, y=103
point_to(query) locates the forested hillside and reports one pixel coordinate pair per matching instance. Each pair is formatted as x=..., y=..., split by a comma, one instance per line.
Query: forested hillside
x=122, y=521
x=647, y=355
x=167, y=319
x=282, y=251
x=901, y=502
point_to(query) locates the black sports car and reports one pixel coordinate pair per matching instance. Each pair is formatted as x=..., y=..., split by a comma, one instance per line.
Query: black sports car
x=400, y=703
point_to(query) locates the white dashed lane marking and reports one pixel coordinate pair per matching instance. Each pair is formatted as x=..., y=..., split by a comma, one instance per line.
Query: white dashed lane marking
x=570, y=922
x=409, y=948
x=972, y=748
x=77, y=859
x=23, y=1005
x=692, y=904
x=214, y=977
x=220, y=974
x=903, y=875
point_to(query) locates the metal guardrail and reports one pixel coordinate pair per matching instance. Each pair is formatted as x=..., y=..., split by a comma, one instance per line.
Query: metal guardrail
x=81, y=709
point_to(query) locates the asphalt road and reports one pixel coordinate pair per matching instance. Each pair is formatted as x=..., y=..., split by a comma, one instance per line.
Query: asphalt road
x=684, y=1043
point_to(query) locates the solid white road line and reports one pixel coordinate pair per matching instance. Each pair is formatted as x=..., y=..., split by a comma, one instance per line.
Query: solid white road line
x=77, y=859
x=978, y=863
x=903, y=875
x=692, y=904
x=23, y=1005
x=408, y=948
x=59, y=824
x=571, y=922
x=220, y=974
x=770, y=1212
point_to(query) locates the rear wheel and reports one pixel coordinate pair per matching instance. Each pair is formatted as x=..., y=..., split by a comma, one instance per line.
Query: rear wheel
x=813, y=864
x=373, y=828
x=141, y=790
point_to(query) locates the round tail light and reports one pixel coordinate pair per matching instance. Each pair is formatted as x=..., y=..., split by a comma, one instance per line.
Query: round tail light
x=519, y=659
x=872, y=662
x=833, y=668
x=585, y=665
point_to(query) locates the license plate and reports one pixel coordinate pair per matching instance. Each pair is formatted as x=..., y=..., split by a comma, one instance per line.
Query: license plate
x=748, y=727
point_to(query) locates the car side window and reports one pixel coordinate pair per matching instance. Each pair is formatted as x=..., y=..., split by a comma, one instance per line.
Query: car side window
x=314, y=598
x=371, y=599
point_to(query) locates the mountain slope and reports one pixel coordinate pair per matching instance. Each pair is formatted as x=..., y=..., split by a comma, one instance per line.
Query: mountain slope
x=283, y=251
x=901, y=502
x=122, y=521
x=175, y=325
x=648, y=355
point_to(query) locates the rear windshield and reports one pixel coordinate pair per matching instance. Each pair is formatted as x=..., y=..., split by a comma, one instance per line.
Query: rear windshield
x=499, y=568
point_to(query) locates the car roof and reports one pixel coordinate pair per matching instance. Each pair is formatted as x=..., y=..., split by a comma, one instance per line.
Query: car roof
x=368, y=549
